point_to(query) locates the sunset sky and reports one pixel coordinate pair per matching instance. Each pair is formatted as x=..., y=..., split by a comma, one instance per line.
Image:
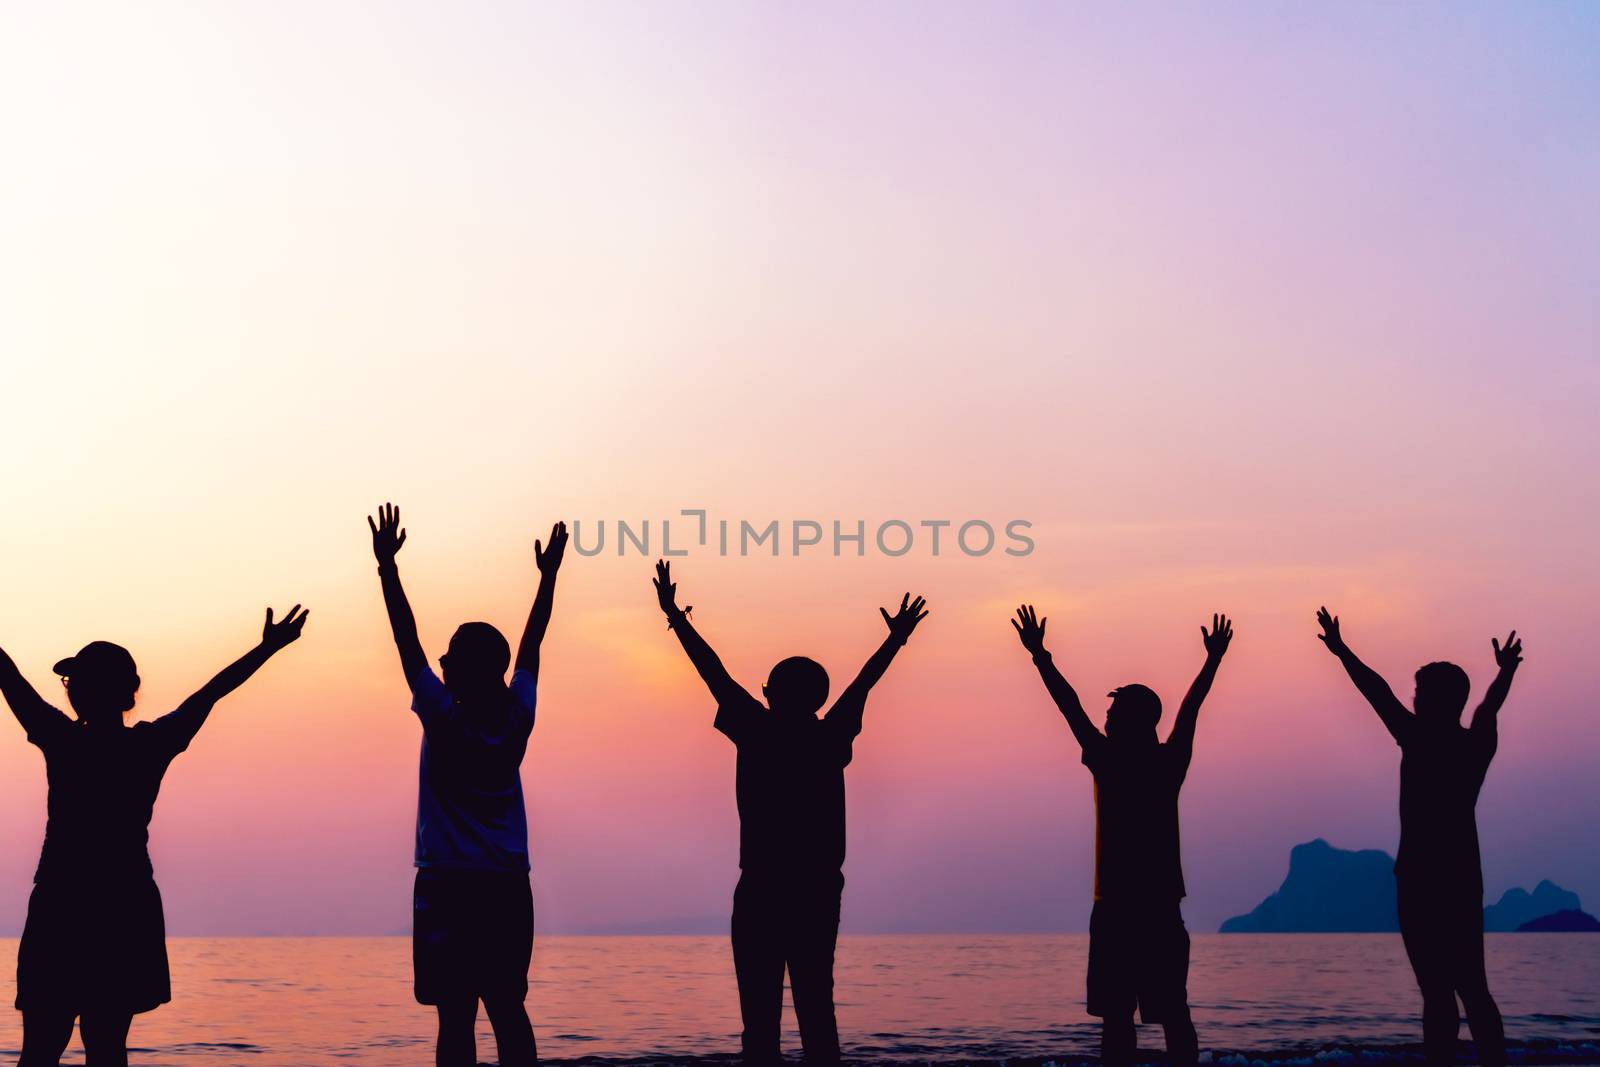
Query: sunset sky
x=1245, y=308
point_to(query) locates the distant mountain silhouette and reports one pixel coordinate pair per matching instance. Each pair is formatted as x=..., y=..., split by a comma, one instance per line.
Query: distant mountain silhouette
x=1328, y=890
x=1569, y=920
x=1517, y=907
x=1334, y=890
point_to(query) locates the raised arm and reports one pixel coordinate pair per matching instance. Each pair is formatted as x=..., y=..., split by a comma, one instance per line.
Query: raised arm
x=1216, y=643
x=1508, y=657
x=387, y=537
x=712, y=672
x=1395, y=715
x=548, y=560
x=189, y=716
x=32, y=710
x=1030, y=630
x=852, y=703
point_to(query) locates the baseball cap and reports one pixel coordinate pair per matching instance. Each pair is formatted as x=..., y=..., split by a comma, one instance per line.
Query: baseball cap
x=98, y=658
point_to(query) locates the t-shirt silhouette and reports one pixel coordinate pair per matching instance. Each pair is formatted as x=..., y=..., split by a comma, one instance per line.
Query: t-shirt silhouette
x=103, y=787
x=1442, y=769
x=470, y=811
x=790, y=784
x=1137, y=853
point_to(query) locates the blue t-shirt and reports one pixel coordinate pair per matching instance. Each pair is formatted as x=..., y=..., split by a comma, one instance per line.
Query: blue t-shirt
x=470, y=813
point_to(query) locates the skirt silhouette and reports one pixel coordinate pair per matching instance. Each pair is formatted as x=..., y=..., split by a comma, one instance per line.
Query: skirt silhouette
x=94, y=944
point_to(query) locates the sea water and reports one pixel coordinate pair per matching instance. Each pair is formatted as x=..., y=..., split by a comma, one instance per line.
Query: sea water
x=1328, y=998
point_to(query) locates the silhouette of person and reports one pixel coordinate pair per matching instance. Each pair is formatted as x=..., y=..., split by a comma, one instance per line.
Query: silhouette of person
x=1438, y=871
x=94, y=947
x=472, y=906
x=1138, y=945
x=789, y=785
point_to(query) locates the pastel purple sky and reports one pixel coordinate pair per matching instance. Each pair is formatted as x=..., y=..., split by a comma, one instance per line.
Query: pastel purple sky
x=1247, y=307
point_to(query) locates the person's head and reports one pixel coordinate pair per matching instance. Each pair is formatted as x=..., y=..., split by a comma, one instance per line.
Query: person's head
x=1441, y=696
x=101, y=681
x=797, y=685
x=475, y=664
x=1135, y=710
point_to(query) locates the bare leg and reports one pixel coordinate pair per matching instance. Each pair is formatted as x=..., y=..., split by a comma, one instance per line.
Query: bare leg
x=1483, y=1015
x=1183, y=1044
x=105, y=1038
x=1441, y=1024
x=1488, y=1032
x=513, y=1033
x=1118, y=1041
x=1431, y=931
x=45, y=1035
x=458, y=1045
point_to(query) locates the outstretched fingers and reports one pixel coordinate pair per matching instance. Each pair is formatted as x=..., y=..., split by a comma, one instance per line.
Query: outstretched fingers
x=1330, y=625
x=279, y=632
x=387, y=536
x=1217, y=638
x=911, y=611
x=1029, y=627
x=1508, y=653
x=666, y=591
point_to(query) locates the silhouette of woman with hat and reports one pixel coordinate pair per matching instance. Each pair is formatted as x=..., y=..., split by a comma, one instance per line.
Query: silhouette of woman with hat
x=94, y=948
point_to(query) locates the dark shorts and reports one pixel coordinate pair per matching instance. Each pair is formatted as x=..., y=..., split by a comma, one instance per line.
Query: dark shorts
x=1442, y=928
x=1138, y=958
x=471, y=934
x=94, y=945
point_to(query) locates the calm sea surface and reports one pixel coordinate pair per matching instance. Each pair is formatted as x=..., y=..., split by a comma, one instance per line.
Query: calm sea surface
x=275, y=1002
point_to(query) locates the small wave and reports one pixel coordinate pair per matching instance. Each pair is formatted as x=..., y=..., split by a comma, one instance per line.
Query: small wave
x=1530, y=1053
x=1523, y=1054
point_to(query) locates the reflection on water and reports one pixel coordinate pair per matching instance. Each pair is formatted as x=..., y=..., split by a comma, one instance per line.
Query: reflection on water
x=276, y=1002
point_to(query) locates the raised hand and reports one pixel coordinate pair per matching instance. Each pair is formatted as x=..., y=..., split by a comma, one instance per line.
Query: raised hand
x=902, y=622
x=1216, y=641
x=1330, y=631
x=666, y=588
x=1030, y=629
x=275, y=635
x=548, y=559
x=1509, y=654
x=387, y=536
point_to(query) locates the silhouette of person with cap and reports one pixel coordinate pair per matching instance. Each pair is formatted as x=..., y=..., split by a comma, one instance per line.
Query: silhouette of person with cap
x=94, y=947
x=790, y=792
x=472, y=905
x=1438, y=870
x=1138, y=945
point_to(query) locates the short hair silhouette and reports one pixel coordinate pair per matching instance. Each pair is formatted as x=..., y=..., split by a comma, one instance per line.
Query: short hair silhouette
x=477, y=658
x=1442, y=690
x=1134, y=709
x=102, y=680
x=797, y=684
